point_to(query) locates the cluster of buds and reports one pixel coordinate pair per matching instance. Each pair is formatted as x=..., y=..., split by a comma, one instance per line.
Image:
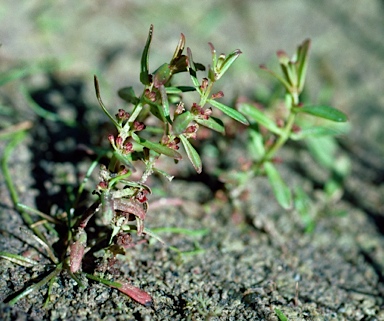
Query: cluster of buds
x=201, y=112
x=171, y=142
x=191, y=131
x=122, y=116
x=118, y=144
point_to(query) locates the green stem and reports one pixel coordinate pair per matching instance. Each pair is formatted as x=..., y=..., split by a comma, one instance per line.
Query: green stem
x=103, y=281
x=272, y=150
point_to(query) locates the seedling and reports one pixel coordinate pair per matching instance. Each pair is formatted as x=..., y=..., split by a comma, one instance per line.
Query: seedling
x=121, y=205
x=267, y=135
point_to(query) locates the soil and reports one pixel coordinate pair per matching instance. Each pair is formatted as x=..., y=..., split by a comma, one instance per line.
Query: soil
x=240, y=264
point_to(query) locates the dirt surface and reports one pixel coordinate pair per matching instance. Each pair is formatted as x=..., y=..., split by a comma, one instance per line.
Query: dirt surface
x=242, y=264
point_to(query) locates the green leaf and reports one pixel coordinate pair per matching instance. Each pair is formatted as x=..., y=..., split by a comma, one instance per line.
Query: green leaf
x=128, y=95
x=323, y=150
x=212, y=123
x=316, y=131
x=302, y=60
x=144, y=73
x=162, y=75
x=157, y=111
x=284, y=82
x=260, y=118
x=256, y=145
x=325, y=112
x=281, y=315
x=281, y=190
x=181, y=122
x=227, y=63
x=158, y=148
x=18, y=259
x=97, y=89
x=178, y=89
x=192, y=70
x=233, y=113
x=165, y=103
x=192, y=154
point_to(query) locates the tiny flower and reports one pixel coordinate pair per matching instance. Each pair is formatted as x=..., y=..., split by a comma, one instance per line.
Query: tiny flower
x=191, y=131
x=166, y=141
x=280, y=123
x=207, y=113
x=119, y=141
x=122, y=170
x=111, y=139
x=218, y=95
x=127, y=148
x=102, y=185
x=296, y=128
x=122, y=115
x=174, y=143
x=204, y=84
x=138, y=126
x=180, y=108
x=141, y=196
x=150, y=95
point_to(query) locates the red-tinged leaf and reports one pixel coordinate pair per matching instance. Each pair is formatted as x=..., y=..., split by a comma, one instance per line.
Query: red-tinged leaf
x=130, y=206
x=77, y=250
x=136, y=294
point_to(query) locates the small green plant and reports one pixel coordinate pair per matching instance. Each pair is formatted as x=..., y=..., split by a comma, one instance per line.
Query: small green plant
x=267, y=134
x=157, y=124
x=122, y=204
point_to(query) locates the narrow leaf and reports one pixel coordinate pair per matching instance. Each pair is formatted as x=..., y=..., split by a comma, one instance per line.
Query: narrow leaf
x=156, y=110
x=165, y=103
x=280, y=189
x=233, y=113
x=256, y=145
x=192, y=70
x=281, y=315
x=144, y=73
x=158, y=148
x=285, y=83
x=97, y=89
x=325, y=112
x=316, y=131
x=178, y=89
x=228, y=62
x=302, y=59
x=18, y=259
x=192, y=154
x=212, y=123
x=260, y=118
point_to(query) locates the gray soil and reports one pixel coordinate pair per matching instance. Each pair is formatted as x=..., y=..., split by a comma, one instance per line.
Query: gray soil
x=245, y=263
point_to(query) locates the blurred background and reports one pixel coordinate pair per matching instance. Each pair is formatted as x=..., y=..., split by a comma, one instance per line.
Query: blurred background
x=82, y=38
